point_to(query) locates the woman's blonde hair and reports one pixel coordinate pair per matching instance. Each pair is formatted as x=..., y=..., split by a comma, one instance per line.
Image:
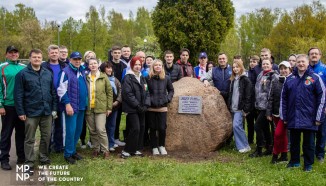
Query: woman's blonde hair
x=242, y=69
x=152, y=72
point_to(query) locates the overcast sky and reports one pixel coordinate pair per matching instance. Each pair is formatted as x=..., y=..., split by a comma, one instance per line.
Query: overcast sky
x=60, y=10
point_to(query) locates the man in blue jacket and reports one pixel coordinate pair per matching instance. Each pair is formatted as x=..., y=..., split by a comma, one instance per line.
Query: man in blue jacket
x=302, y=104
x=220, y=76
x=319, y=68
x=73, y=95
x=36, y=104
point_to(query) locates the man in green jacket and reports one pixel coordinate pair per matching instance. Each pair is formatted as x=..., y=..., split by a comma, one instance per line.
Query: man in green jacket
x=9, y=117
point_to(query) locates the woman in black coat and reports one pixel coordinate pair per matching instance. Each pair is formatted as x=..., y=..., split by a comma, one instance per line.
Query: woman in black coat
x=161, y=92
x=135, y=101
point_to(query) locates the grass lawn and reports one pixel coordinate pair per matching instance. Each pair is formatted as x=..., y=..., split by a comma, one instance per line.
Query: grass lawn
x=228, y=167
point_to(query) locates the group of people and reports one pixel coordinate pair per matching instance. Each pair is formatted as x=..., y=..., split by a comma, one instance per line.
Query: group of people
x=65, y=96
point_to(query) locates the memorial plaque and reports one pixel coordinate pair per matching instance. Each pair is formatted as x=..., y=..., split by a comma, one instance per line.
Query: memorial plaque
x=190, y=105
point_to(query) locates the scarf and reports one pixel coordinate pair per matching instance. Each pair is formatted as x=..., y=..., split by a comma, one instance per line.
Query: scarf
x=112, y=82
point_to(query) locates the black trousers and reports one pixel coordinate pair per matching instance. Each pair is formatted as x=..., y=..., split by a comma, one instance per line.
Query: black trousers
x=251, y=118
x=136, y=126
x=157, y=128
x=10, y=121
x=308, y=146
x=262, y=128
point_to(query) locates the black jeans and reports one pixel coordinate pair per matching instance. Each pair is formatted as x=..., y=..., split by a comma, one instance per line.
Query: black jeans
x=262, y=128
x=83, y=133
x=308, y=146
x=251, y=118
x=57, y=133
x=10, y=121
x=157, y=127
x=136, y=126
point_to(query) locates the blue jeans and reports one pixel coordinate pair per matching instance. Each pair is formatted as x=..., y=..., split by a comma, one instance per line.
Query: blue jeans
x=73, y=125
x=308, y=146
x=240, y=137
x=110, y=127
x=320, y=140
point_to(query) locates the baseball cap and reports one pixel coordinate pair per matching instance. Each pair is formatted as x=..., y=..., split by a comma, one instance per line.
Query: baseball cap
x=285, y=63
x=76, y=55
x=11, y=48
x=202, y=54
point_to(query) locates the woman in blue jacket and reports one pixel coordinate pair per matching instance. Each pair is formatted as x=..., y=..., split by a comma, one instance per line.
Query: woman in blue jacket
x=302, y=104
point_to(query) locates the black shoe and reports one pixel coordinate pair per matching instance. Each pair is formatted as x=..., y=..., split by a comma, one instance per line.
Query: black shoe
x=267, y=153
x=283, y=158
x=274, y=159
x=46, y=162
x=20, y=161
x=5, y=166
x=257, y=153
x=76, y=156
x=70, y=160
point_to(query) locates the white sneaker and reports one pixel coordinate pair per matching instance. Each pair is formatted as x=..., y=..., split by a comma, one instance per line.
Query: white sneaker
x=138, y=153
x=125, y=154
x=155, y=151
x=247, y=149
x=120, y=143
x=162, y=150
x=111, y=149
x=115, y=146
x=83, y=146
x=89, y=144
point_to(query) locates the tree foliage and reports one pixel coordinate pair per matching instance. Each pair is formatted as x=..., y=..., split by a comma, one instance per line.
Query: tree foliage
x=199, y=25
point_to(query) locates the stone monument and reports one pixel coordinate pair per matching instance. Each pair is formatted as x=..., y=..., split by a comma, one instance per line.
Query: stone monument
x=198, y=133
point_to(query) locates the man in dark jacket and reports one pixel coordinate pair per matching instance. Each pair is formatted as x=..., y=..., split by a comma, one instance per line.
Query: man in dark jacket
x=55, y=65
x=302, y=105
x=36, y=104
x=63, y=54
x=220, y=76
x=171, y=70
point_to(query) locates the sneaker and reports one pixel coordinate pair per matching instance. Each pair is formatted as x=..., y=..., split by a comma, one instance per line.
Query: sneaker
x=106, y=155
x=5, y=166
x=76, y=156
x=162, y=150
x=70, y=160
x=256, y=154
x=292, y=165
x=115, y=146
x=245, y=150
x=111, y=149
x=125, y=154
x=308, y=168
x=119, y=143
x=155, y=151
x=320, y=159
x=138, y=153
x=89, y=144
x=83, y=146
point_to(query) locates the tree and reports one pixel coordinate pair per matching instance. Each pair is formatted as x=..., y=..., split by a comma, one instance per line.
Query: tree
x=199, y=25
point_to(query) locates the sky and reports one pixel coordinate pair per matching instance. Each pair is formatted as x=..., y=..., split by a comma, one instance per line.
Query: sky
x=60, y=10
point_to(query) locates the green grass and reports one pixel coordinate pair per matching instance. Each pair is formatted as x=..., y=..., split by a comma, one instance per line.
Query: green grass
x=227, y=168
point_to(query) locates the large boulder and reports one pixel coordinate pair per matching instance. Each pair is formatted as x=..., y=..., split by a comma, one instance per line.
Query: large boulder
x=197, y=133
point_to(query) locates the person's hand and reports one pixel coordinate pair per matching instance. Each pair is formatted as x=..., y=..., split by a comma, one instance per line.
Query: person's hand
x=108, y=112
x=115, y=104
x=269, y=118
x=2, y=111
x=54, y=114
x=317, y=123
x=141, y=109
x=69, y=110
x=206, y=83
x=22, y=117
